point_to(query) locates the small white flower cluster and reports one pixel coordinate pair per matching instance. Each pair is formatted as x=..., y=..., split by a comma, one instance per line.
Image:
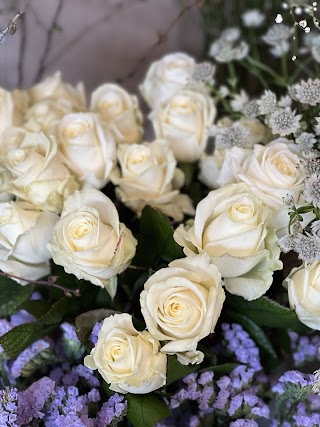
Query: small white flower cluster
x=277, y=37
x=228, y=47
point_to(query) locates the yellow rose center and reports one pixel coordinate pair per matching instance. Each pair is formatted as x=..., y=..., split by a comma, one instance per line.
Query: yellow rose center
x=111, y=106
x=79, y=230
x=76, y=129
x=183, y=105
x=17, y=157
x=283, y=165
x=242, y=210
x=5, y=216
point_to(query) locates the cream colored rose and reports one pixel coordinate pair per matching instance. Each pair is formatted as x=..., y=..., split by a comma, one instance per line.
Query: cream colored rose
x=44, y=115
x=53, y=87
x=120, y=111
x=216, y=169
x=147, y=175
x=231, y=226
x=272, y=173
x=8, y=113
x=24, y=234
x=87, y=149
x=183, y=122
x=89, y=241
x=166, y=77
x=182, y=303
x=303, y=285
x=38, y=175
x=128, y=360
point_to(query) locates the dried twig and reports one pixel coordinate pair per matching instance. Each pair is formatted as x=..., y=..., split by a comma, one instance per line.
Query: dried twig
x=48, y=43
x=162, y=38
x=10, y=28
x=51, y=282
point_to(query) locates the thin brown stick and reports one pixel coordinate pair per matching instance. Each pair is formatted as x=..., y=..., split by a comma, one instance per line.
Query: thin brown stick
x=51, y=282
x=48, y=43
x=162, y=38
x=22, y=50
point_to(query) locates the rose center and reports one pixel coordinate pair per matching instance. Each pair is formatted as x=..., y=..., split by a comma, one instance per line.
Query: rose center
x=111, y=106
x=17, y=157
x=76, y=129
x=283, y=166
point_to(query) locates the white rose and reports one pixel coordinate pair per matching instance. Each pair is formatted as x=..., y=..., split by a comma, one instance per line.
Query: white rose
x=24, y=234
x=216, y=169
x=89, y=241
x=128, y=360
x=231, y=226
x=182, y=303
x=148, y=175
x=184, y=122
x=120, y=111
x=87, y=149
x=304, y=293
x=166, y=77
x=53, y=87
x=272, y=173
x=8, y=116
x=259, y=133
x=44, y=115
x=38, y=175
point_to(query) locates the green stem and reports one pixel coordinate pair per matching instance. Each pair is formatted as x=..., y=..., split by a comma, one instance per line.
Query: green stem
x=253, y=43
x=233, y=80
x=284, y=67
x=276, y=77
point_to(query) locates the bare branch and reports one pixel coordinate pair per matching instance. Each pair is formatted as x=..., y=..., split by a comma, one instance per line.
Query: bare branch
x=48, y=43
x=10, y=28
x=51, y=282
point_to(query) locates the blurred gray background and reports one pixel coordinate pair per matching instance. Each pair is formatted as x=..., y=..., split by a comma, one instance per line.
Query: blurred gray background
x=95, y=41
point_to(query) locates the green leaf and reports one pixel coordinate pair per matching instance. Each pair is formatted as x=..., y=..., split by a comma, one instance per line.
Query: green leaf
x=265, y=312
x=176, y=370
x=256, y=333
x=36, y=307
x=86, y=321
x=223, y=369
x=20, y=337
x=155, y=239
x=12, y=295
x=146, y=410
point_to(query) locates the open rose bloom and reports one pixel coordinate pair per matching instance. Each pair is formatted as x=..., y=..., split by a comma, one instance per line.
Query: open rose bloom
x=233, y=227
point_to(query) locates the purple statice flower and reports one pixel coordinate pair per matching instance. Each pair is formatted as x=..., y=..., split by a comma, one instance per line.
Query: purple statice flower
x=194, y=421
x=304, y=349
x=32, y=400
x=71, y=345
x=293, y=378
x=28, y=355
x=68, y=408
x=243, y=422
x=69, y=331
x=112, y=411
x=5, y=327
x=88, y=375
x=239, y=343
x=311, y=420
x=236, y=397
x=21, y=317
x=95, y=332
x=199, y=389
x=8, y=407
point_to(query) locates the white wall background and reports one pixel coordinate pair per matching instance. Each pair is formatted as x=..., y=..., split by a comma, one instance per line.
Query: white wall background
x=94, y=40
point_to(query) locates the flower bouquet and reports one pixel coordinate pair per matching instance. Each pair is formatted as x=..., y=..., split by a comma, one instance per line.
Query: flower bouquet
x=174, y=282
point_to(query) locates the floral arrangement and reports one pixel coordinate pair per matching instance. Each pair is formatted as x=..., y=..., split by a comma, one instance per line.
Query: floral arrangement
x=174, y=282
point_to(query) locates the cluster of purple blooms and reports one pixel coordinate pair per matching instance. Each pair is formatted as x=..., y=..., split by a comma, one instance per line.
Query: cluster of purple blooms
x=63, y=397
x=236, y=399
x=304, y=349
x=69, y=395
